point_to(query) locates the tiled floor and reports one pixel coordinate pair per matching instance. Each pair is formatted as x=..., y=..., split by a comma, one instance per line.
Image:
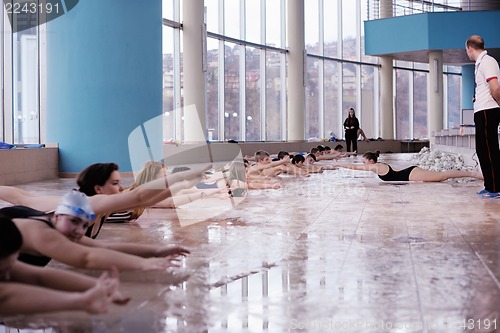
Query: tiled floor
x=336, y=252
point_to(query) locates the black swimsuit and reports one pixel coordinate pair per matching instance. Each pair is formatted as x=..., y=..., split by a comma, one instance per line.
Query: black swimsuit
x=23, y=212
x=398, y=176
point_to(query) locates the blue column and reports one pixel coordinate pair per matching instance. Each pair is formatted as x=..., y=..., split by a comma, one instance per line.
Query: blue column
x=468, y=86
x=104, y=79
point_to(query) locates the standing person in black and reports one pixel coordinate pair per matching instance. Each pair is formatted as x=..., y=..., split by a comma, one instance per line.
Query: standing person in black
x=486, y=115
x=351, y=125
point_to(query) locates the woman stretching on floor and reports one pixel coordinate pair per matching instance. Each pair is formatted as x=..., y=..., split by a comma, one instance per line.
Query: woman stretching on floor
x=61, y=236
x=412, y=173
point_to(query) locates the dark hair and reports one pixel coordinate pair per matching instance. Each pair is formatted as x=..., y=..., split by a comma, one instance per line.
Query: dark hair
x=321, y=148
x=260, y=155
x=95, y=174
x=328, y=148
x=314, y=150
x=372, y=155
x=298, y=158
x=11, y=239
x=338, y=147
x=282, y=154
x=312, y=156
x=476, y=42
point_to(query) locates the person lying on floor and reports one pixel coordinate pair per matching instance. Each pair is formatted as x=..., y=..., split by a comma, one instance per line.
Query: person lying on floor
x=26, y=289
x=412, y=173
x=61, y=236
x=102, y=182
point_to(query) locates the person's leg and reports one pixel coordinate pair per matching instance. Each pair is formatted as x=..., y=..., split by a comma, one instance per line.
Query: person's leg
x=492, y=147
x=347, y=142
x=360, y=132
x=418, y=174
x=355, y=144
x=482, y=149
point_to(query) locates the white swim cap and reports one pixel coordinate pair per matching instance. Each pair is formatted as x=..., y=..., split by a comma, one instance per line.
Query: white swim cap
x=76, y=204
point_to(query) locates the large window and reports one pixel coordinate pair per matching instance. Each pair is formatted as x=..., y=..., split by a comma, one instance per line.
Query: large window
x=252, y=94
x=312, y=98
x=274, y=87
x=20, y=108
x=420, y=105
x=253, y=67
x=402, y=104
x=453, y=104
x=232, y=81
x=332, y=116
x=246, y=97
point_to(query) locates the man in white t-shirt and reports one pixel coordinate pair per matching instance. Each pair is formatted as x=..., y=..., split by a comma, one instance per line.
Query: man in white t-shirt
x=486, y=115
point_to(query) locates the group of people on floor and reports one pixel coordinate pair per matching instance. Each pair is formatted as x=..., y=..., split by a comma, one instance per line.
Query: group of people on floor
x=38, y=228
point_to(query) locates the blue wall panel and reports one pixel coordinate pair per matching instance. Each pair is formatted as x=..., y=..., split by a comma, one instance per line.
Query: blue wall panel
x=104, y=65
x=431, y=31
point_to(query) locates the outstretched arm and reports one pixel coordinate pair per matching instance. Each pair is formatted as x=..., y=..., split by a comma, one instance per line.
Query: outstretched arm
x=260, y=167
x=146, y=194
x=16, y=298
x=17, y=196
x=358, y=166
x=53, y=244
x=87, y=294
x=65, y=280
x=141, y=250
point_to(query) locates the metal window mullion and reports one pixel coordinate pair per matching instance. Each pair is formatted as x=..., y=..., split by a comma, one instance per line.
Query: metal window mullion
x=376, y=103
x=13, y=80
x=221, y=66
x=445, y=102
x=263, y=90
x=42, y=76
x=243, y=19
x=321, y=27
x=2, y=78
x=411, y=102
x=340, y=73
x=358, y=30
x=8, y=83
x=178, y=123
x=246, y=43
x=283, y=96
x=177, y=86
x=283, y=86
x=242, y=91
x=394, y=111
x=359, y=93
x=321, y=96
x=321, y=74
x=340, y=98
x=340, y=44
x=242, y=71
x=6, y=99
x=263, y=25
x=263, y=98
x=283, y=23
